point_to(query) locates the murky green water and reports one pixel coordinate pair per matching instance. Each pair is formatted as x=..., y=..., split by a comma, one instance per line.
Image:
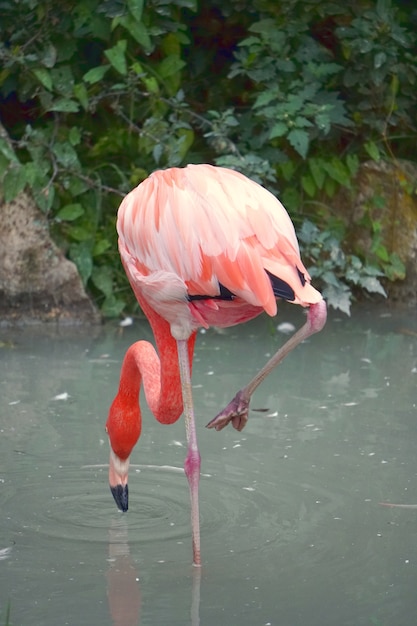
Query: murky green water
x=293, y=532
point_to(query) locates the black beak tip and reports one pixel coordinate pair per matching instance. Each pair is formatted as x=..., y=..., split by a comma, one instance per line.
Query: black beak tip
x=121, y=497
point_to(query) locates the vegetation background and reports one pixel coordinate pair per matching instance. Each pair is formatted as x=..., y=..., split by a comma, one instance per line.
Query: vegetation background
x=96, y=94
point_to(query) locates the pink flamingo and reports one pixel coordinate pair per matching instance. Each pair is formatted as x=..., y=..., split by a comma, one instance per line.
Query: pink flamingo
x=201, y=246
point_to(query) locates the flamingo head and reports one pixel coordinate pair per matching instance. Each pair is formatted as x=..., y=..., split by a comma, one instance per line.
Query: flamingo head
x=123, y=427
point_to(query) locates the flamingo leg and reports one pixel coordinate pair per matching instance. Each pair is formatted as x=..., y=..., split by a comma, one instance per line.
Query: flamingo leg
x=238, y=409
x=193, y=461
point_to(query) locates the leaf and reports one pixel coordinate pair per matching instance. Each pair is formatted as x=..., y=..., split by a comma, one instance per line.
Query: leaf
x=112, y=306
x=70, y=212
x=396, y=268
x=171, y=65
x=379, y=59
x=116, y=56
x=299, y=139
x=95, y=74
x=74, y=136
x=338, y=297
x=101, y=246
x=373, y=150
x=352, y=162
x=49, y=56
x=102, y=278
x=317, y=171
x=32, y=172
x=80, y=253
x=14, y=182
x=81, y=234
x=80, y=92
x=7, y=150
x=278, y=130
x=337, y=171
x=64, y=105
x=65, y=154
x=136, y=8
x=44, y=196
x=308, y=185
x=372, y=284
x=137, y=30
x=44, y=77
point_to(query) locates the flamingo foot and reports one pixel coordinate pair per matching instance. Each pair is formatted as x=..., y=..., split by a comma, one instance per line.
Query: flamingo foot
x=237, y=412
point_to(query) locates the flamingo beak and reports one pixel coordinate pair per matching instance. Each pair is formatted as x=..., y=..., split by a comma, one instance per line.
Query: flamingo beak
x=118, y=471
x=121, y=496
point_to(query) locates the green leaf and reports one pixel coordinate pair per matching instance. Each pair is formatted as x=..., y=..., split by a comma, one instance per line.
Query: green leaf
x=102, y=278
x=308, y=185
x=49, y=56
x=95, y=74
x=64, y=105
x=80, y=253
x=116, y=56
x=112, y=306
x=7, y=150
x=32, y=172
x=278, y=130
x=44, y=77
x=65, y=154
x=14, y=182
x=317, y=171
x=372, y=285
x=101, y=246
x=352, y=162
x=337, y=170
x=299, y=139
x=81, y=234
x=137, y=30
x=171, y=65
x=373, y=150
x=338, y=297
x=136, y=8
x=80, y=92
x=44, y=196
x=70, y=212
x=74, y=136
x=379, y=59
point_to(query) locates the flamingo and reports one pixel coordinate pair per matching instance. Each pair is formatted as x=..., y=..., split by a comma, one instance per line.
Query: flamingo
x=201, y=246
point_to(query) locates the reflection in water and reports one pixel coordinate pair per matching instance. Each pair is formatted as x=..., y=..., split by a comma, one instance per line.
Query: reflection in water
x=123, y=588
x=123, y=591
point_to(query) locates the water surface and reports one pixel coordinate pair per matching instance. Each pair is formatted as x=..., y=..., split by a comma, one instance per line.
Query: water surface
x=293, y=530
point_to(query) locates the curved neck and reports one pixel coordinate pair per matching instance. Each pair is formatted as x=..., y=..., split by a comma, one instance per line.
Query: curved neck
x=159, y=373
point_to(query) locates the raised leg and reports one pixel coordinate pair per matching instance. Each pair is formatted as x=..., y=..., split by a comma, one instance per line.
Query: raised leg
x=238, y=409
x=193, y=461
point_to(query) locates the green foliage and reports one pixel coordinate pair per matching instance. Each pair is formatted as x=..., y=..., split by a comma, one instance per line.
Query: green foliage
x=97, y=78
x=96, y=94
x=337, y=271
x=293, y=75
x=380, y=73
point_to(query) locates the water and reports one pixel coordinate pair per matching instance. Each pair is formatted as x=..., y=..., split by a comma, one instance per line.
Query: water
x=293, y=532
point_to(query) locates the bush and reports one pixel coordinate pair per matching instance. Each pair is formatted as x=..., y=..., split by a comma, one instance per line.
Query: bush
x=97, y=94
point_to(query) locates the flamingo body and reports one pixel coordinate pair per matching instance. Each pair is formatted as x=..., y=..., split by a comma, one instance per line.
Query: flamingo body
x=185, y=231
x=201, y=246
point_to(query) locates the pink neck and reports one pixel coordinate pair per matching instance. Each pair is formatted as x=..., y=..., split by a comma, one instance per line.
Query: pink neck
x=160, y=374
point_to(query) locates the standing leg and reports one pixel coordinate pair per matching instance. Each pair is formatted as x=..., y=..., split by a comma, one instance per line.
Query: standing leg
x=193, y=461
